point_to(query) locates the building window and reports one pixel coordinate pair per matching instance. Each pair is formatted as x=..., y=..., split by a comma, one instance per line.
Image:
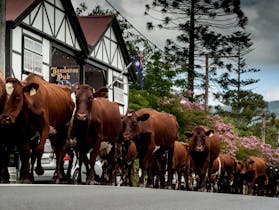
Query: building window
x=33, y=56
x=118, y=91
x=94, y=76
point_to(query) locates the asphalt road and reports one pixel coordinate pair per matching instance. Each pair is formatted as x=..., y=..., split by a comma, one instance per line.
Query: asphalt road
x=81, y=197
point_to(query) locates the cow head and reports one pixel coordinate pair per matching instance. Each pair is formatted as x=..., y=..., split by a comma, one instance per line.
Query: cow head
x=84, y=96
x=131, y=124
x=247, y=166
x=16, y=94
x=198, y=138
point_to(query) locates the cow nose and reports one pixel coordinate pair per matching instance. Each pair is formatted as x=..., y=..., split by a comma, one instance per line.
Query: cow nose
x=81, y=116
x=199, y=148
x=4, y=119
x=127, y=137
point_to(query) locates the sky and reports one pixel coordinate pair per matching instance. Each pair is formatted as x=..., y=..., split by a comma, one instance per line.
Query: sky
x=263, y=24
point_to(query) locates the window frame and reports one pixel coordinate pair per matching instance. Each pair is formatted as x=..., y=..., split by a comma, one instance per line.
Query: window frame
x=33, y=47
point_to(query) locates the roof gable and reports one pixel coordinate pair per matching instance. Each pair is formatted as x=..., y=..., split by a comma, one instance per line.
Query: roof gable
x=104, y=36
x=94, y=27
x=14, y=8
x=56, y=18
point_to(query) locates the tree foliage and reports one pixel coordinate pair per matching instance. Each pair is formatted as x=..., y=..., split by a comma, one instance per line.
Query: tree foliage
x=244, y=103
x=198, y=22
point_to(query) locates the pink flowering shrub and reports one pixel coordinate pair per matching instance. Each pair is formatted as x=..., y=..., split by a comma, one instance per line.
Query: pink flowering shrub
x=243, y=147
x=190, y=114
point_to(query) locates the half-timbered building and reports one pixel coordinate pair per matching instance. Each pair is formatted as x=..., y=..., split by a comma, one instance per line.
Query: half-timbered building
x=47, y=38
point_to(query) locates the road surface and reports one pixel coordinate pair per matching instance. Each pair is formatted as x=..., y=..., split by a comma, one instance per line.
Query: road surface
x=81, y=197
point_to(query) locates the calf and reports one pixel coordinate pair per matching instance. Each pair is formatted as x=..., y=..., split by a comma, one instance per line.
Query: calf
x=204, y=148
x=181, y=162
x=253, y=172
x=272, y=175
x=131, y=156
x=223, y=172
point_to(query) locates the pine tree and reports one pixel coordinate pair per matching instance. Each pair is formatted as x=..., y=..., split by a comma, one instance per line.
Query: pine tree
x=198, y=22
x=243, y=102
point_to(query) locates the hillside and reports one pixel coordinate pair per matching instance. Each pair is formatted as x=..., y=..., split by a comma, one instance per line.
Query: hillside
x=273, y=106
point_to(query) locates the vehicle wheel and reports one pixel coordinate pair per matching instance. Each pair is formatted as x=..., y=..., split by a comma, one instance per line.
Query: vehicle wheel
x=76, y=178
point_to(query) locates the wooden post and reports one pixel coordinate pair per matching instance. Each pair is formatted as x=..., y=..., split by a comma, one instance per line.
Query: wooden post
x=2, y=36
x=206, y=84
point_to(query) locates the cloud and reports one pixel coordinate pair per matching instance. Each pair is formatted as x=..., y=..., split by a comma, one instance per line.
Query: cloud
x=272, y=94
x=263, y=18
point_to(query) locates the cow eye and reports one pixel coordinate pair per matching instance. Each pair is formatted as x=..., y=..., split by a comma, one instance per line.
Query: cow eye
x=17, y=97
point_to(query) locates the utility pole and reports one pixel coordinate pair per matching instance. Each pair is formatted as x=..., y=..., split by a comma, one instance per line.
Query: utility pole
x=263, y=126
x=2, y=36
x=206, y=84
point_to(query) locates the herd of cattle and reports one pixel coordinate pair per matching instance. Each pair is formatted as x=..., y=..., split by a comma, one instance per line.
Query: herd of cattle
x=35, y=107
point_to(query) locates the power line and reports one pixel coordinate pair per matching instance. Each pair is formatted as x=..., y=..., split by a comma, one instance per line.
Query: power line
x=141, y=34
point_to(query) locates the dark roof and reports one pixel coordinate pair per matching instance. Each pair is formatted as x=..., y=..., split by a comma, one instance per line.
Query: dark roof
x=15, y=8
x=94, y=27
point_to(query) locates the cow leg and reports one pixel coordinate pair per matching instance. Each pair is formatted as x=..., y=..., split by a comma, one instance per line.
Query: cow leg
x=25, y=154
x=204, y=175
x=179, y=176
x=87, y=164
x=162, y=170
x=170, y=174
x=39, y=170
x=4, y=161
x=142, y=175
x=33, y=159
x=130, y=174
x=71, y=154
x=112, y=165
x=93, y=155
x=186, y=179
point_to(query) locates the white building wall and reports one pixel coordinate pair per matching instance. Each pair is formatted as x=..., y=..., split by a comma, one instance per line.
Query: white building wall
x=123, y=106
x=110, y=91
x=126, y=93
x=17, y=53
x=46, y=58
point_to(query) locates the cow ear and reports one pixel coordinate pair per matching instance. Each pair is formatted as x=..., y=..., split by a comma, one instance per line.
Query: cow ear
x=31, y=88
x=251, y=161
x=75, y=87
x=188, y=134
x=209, y=133
x=102, y=92
x=143, y=117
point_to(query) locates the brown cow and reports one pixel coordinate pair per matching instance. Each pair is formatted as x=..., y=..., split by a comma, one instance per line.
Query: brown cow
x=181, y=162
x=2, y=94
x=153, y=133
x=4, y=153
x=130, y=154
x=204, y=148
x=38, y=106
x=253, y=171
x=223, y=172
x=96, y=120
